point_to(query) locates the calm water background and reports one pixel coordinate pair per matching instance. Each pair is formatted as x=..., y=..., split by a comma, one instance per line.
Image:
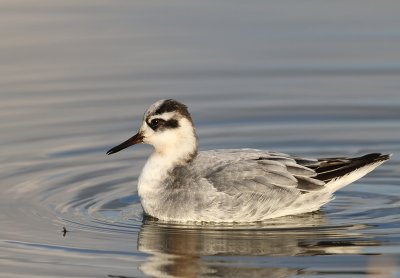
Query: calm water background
x=313, y=78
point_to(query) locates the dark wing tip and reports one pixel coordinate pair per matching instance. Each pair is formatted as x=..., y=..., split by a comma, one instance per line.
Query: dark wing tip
x=374, y=157
x=384, y=157
x=331, y=168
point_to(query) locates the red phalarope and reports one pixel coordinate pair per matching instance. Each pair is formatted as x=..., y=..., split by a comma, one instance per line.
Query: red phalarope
x=179, y=183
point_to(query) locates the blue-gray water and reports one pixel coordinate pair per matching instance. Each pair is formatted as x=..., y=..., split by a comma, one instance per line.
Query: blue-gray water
x=312, y=78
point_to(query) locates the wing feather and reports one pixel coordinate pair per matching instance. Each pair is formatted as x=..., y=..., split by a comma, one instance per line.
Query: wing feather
x=262, y=172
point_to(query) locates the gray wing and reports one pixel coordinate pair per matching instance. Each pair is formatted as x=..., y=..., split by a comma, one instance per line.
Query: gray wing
x=252, y=171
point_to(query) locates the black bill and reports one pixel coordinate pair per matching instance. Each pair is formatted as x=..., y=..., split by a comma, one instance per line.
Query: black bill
x=138, y=138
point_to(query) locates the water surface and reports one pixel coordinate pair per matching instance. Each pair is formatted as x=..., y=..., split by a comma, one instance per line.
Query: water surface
x=305, y=77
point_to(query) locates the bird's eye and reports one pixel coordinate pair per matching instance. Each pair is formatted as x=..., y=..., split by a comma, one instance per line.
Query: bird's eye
x=155, y=123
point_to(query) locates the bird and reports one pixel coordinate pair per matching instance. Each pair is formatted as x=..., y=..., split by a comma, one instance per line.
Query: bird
x=179, y=183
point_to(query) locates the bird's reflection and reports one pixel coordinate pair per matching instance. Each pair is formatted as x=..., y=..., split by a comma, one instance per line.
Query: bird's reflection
x=184, y=251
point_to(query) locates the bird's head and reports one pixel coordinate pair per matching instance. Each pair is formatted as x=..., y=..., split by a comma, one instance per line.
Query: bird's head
x=168, y=127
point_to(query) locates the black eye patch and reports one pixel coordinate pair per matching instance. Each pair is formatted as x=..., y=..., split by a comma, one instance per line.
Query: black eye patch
x=160, y=124
x=171, y=123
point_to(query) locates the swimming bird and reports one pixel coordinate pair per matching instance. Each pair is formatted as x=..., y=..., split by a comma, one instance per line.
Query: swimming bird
x=181, y=184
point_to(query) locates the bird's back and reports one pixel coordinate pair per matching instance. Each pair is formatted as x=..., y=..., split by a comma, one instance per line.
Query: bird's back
x=235, y=166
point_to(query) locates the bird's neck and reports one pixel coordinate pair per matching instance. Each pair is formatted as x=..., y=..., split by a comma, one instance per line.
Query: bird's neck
x=168, y=154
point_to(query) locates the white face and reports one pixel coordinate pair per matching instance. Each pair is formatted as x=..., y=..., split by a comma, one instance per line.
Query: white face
x=169, y=131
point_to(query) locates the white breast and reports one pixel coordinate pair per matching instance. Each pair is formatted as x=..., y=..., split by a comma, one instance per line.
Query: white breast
x=150, y=185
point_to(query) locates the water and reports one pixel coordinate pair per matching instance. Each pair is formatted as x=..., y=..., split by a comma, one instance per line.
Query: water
x=309, y=78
